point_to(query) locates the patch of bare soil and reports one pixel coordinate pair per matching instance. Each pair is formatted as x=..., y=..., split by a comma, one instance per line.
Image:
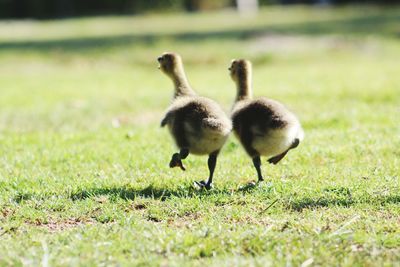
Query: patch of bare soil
x=186, y=221
x=6, y=212
x=56, y=226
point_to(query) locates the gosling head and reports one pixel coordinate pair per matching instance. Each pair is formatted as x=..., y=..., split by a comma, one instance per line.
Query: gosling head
x=240, y=69
x=170, y=63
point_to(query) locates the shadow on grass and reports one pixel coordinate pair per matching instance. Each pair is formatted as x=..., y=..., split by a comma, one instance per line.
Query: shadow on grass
x=364, y=24
x=128, y=192
x=310, y=203
x=341, y=197
x=131, y=193
x=332, y=197
x=314, y=203
x=335, y=196
x=122, y=192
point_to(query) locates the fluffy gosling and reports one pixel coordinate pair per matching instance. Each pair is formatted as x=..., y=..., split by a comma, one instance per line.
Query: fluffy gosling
x=263, y=126
x=197, y=124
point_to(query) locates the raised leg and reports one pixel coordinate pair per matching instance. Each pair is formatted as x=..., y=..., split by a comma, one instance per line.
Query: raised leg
x=176, y=160
x=212, y=162
x=257, y=165
x=276, y=159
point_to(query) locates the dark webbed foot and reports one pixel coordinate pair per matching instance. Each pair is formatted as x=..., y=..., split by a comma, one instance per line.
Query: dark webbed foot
x=203, y=184
x=176, y=162
x=212, y=162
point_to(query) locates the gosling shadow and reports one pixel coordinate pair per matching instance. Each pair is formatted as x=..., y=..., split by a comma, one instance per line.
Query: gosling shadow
x=125, y=192
x=341, y=197
x=313, y=203
x=130, y=193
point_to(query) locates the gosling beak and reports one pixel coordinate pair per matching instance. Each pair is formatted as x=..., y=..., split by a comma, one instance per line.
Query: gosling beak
x=159, y=61
x=229, y=68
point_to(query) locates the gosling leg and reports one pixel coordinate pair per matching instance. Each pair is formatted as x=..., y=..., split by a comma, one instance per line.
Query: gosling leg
x=212, y=162
x=176, y=160
x=276, y=159
x=257, y=165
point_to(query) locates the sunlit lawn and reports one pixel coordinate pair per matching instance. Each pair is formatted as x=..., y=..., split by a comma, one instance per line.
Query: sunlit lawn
x=84, y=177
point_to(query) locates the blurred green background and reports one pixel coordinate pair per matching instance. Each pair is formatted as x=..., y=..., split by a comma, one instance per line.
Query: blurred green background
x=84, y=177
x=69, y=8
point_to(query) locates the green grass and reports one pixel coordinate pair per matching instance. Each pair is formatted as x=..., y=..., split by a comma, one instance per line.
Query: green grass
x=84, y=177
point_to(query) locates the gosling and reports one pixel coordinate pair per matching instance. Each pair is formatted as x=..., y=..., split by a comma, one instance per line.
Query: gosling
x=197, y=124
x=263, y=126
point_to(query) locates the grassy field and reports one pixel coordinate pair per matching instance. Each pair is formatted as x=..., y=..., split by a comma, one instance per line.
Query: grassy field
x=84, y=177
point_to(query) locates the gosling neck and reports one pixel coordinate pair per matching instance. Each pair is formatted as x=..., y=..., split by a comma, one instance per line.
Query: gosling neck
x=182, y=87
x=243, y=87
